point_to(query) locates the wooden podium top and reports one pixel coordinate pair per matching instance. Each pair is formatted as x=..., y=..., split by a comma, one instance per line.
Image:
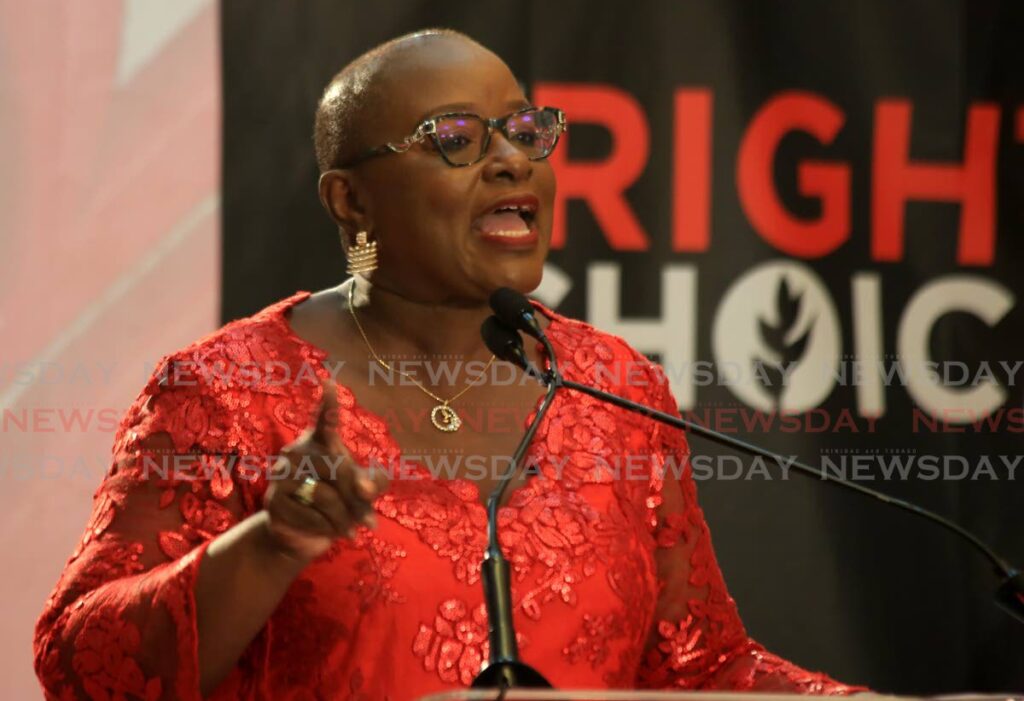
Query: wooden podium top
x=626, y=695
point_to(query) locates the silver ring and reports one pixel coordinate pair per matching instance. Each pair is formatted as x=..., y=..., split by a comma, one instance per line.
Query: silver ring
x=304, y=493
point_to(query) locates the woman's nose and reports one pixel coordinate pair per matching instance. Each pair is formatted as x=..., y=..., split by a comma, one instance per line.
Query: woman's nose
x=505, y=160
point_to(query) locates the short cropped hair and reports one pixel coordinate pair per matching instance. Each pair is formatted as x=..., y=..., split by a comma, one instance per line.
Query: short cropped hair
x=353, y=94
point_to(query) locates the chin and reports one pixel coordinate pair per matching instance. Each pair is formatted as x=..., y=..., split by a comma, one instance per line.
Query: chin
x=521, y=278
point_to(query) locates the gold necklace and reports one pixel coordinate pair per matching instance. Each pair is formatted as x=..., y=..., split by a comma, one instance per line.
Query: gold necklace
x=442, y=416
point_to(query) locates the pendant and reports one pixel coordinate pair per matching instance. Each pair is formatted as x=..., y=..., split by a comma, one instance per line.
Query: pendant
x=445, y=419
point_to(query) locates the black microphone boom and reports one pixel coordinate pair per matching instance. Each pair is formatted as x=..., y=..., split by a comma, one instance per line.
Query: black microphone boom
x=1009, y=595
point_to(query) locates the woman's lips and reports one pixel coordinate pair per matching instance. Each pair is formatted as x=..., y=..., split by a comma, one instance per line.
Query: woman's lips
x=507, y=229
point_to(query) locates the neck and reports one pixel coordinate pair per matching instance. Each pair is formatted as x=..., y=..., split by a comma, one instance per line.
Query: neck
x=397, y=325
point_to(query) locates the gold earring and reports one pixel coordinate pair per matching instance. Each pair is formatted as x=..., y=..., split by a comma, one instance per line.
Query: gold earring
x=362, y=258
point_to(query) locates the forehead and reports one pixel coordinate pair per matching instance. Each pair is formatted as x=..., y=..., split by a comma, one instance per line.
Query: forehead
x=445, y=75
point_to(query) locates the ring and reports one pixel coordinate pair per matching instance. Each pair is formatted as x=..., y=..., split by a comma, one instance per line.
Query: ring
x=304, y=493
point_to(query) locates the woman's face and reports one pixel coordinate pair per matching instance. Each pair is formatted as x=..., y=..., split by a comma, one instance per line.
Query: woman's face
x=440, y=239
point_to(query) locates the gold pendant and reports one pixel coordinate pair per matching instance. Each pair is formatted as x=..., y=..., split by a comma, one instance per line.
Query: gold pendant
x=445, y=419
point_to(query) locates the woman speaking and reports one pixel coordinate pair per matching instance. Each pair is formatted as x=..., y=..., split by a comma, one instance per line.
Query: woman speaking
x=247, y=542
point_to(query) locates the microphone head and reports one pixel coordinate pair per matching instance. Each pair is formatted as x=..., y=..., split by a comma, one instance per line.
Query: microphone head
x=515, y=311
x=504, y=342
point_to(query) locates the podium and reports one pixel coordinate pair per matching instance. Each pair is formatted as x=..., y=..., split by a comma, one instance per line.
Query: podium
x=627, y=695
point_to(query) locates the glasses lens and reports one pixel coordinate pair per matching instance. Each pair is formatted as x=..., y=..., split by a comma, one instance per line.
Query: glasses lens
x=461, y=138
x=534, y=131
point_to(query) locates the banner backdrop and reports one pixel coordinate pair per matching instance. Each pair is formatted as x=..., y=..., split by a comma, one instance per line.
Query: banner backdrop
x=810, y=213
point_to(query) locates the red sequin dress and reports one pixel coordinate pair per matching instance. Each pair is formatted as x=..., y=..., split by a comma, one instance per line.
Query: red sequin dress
x=615, y=584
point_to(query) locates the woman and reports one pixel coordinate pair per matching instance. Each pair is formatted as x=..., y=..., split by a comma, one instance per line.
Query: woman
x=202, y=574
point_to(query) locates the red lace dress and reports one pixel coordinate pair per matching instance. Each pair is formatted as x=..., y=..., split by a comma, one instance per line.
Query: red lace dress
x=615, y=583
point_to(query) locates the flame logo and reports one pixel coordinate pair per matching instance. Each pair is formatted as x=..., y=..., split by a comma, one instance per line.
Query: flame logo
x=773, y=373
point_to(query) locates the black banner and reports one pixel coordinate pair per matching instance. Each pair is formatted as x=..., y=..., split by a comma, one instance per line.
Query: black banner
x=810, y=213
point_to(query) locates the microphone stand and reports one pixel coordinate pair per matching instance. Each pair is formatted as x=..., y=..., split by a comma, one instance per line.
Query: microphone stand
x=504, y=669
x=514, y=313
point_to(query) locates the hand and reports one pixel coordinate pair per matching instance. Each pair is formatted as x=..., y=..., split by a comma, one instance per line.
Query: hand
x=342, y=497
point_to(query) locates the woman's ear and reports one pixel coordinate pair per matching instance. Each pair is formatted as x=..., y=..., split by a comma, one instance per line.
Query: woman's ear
x=343, y=201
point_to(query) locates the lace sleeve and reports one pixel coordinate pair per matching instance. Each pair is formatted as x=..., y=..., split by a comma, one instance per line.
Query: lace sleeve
x=698, y=640
x=121, y=622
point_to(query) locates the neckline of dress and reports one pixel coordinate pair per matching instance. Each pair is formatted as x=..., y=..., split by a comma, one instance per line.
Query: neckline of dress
x=279, y=314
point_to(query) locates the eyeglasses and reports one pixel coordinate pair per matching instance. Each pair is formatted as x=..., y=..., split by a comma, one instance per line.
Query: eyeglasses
x=462, y=138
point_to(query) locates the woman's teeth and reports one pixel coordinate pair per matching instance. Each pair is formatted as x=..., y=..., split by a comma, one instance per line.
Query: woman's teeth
x=504, y=224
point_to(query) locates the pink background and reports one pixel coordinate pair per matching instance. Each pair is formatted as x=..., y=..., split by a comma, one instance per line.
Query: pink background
x=109, y=256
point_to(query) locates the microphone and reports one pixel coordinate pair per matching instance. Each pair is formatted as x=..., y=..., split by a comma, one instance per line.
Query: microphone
x=507, y=345
x=504, y=669
x=514, y=310
x=1010, y=593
